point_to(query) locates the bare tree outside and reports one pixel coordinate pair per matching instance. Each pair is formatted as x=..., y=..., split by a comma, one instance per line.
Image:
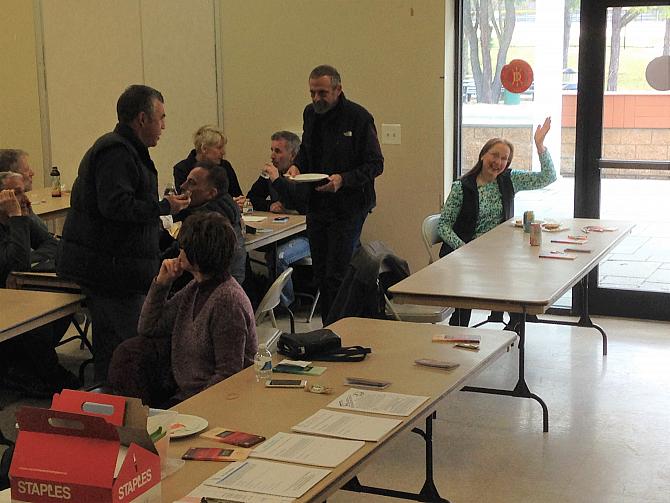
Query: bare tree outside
x=569, y=7
x=620, y=18
x=665, y=13
x=481, y=18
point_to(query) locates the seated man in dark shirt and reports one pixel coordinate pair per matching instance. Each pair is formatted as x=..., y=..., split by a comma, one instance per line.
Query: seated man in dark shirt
x=207, y=184
x=272, y=192
x=28, y=362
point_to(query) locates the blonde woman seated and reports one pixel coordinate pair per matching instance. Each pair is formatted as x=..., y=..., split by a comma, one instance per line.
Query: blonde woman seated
x=484, y=197
x=210, y=145
x=202, y=335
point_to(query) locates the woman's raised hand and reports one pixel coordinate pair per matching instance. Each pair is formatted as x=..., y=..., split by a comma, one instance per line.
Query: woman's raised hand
x=170, y=270
x=540, y=133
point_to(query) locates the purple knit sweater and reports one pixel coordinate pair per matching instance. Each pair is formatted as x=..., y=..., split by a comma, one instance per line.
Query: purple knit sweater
x=219, y=342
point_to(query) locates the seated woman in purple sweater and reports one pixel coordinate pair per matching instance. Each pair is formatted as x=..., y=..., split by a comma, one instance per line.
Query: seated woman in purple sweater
x=202, y=335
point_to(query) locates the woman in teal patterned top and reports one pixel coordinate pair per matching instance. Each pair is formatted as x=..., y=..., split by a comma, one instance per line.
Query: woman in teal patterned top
x=476, y=204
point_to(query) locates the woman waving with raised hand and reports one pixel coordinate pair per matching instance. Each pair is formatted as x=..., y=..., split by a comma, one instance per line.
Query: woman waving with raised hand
x=484, y=196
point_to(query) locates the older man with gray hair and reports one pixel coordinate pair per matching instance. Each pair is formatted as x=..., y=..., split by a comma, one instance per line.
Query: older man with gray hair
x=272, y=192
x=23, y=243
x=28, y=362
x=16, y=160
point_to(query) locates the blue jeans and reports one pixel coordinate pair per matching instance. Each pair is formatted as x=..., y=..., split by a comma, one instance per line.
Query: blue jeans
x=287, y=253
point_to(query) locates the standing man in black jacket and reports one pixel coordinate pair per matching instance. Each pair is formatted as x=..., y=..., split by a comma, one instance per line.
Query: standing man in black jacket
x=110, y=236
x=339, y=140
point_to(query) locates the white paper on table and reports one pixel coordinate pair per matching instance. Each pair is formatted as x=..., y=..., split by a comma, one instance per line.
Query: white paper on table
x=377, y=402
x=266, y=477
x=306, y=449
x=252, y=218
x=343, y=425
x=204, y=491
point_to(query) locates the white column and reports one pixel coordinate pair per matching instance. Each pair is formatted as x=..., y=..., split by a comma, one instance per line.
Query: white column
x=548, y=72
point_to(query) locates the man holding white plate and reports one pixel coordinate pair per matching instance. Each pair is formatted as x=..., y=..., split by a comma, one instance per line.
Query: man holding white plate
x=339, y=141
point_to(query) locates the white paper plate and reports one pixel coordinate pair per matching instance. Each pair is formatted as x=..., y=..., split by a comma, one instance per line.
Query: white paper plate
x=309, y=177
x=185, y=425
x=560, y=228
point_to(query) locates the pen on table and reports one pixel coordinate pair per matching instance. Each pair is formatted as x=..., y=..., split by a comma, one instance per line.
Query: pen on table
x=565, y=241
x=205, y=499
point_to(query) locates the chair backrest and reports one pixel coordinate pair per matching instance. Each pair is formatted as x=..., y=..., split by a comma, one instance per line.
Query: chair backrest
x=430, y=235
x=272, y=297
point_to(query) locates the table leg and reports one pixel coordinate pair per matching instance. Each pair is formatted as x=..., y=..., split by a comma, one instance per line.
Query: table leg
x=521, y=389
x=428, y=493
x=584, y=317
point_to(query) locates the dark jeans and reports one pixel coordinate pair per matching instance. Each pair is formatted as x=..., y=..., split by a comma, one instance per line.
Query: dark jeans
x=114, y=320
x=332, y=241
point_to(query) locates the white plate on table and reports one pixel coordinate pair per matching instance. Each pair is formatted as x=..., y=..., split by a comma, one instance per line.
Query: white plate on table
x=308, y=177
x=185, y=425
x=560, y=227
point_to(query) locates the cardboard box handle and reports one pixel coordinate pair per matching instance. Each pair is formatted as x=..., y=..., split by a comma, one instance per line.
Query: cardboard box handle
x=39, y=420
x=67, y=424
x=76, y=401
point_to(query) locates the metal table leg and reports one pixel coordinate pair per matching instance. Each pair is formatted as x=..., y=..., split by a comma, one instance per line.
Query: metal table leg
x=428, y=493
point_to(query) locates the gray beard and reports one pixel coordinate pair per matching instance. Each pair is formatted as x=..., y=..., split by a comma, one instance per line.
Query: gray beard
x=321, y=107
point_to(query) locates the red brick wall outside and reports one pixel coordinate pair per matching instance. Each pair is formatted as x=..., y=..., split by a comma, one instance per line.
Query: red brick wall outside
x=636, y=127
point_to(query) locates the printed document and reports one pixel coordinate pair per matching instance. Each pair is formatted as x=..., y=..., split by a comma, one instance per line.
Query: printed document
x=266, y=477
x=306, y=449
x=221, y=494
x=378, y=402
x=343, y=425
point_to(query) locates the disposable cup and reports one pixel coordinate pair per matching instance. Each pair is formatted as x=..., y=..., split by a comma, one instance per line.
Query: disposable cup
x=164, y=419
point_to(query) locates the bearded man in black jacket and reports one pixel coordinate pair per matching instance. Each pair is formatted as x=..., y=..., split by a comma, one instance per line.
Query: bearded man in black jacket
x=339, y=140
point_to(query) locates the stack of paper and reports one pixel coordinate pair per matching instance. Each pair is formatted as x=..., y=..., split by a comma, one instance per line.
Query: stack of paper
x=378, y=402
x=266, y=477
x=343, y=425
x=306, y=450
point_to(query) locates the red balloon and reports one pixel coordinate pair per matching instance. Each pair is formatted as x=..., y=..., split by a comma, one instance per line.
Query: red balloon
x=516, y=76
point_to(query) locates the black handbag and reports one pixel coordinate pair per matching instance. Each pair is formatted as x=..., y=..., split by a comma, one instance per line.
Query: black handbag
x=321, y=345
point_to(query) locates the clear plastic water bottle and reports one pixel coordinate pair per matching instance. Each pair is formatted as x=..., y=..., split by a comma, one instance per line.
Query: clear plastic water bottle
x=247, y=207
x=263, y=363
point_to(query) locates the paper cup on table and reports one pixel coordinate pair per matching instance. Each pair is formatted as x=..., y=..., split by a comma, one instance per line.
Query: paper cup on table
x=159, y=418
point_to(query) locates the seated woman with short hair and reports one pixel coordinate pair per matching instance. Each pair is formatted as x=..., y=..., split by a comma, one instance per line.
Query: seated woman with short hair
x=202, y=335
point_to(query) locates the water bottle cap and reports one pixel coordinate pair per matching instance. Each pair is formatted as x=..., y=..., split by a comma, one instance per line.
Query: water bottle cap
x=262, y=346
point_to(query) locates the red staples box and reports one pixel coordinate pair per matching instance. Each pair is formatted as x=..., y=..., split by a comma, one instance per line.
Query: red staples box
x=89, y=447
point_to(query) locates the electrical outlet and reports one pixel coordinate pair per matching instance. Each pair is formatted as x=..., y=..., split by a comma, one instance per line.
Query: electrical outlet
x=391, y=134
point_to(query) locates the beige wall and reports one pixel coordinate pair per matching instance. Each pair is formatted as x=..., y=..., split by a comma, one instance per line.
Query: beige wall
x=19, y=100
x=390, y=54
x=95, y=48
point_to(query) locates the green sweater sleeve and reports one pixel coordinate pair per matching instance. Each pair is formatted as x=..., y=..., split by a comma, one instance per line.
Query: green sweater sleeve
x=450, y=211
x=531, y=180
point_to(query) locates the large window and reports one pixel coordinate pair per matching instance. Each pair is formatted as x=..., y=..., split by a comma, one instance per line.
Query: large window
x=633, y=143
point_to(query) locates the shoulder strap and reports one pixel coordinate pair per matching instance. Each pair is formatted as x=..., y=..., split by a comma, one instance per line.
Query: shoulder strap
x=343, y=354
